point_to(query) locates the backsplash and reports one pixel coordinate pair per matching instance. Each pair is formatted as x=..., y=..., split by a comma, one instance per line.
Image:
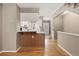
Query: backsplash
x=28, y=26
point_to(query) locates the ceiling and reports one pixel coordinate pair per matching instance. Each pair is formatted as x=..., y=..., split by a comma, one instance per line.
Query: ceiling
x=39, y=5
x=45, y=9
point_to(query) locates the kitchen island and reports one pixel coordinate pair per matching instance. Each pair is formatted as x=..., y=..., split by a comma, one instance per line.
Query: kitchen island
x=31, y=39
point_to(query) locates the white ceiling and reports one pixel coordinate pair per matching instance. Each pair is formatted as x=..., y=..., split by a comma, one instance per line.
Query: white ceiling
x=39, y=5
x=45, y=9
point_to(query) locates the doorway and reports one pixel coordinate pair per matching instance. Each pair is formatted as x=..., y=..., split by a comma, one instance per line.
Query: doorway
x=46, y=28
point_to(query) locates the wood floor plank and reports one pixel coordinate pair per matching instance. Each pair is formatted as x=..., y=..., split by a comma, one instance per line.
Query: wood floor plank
x=50, y=50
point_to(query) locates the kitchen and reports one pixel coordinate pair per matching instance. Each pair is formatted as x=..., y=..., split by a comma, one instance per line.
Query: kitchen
x=30, y=32
x=26, y=28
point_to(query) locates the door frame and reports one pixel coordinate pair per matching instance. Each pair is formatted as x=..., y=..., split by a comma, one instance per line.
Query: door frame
x=48, y=21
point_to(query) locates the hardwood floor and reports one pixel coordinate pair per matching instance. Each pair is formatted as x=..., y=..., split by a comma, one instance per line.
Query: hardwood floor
x=50, y=50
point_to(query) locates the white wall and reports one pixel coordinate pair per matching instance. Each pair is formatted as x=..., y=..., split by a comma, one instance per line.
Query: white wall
x=58, y=23
x=18, y=17
x=52, y=32
x=29, y=10
x=71, y=23
x=29, y=16
x=0, y=27
x=9, y=27
x=18, y=25
x=69, y=38
x=69, y=42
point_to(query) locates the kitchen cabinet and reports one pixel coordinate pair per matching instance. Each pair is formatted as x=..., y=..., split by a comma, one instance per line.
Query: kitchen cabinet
x=40, y=40
x=27, y=39
x=32, y=39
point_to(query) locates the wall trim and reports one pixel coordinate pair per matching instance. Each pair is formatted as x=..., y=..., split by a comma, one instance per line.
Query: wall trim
x=7, y=51
x=64, y=50
x=10, y=51
x=18, y=49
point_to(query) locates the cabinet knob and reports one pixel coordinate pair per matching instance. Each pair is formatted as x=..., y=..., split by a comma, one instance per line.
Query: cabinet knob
x=33, y=37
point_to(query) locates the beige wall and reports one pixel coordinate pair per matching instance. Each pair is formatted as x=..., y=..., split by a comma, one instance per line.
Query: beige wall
x=18, y=25
x=29, y=17
x=71, y=23
x=57, y=25
x=52, y=32
x=69, y=42
x=9, y=27
x=0, y=27
x=69, y=38
x=29, y=10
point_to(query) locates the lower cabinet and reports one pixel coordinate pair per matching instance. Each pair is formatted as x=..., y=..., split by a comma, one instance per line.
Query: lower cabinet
x=32, y=39
x=27, y=39
x=40, y=40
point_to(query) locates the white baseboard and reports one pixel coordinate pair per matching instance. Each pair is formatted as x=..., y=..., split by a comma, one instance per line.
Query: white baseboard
x=7, y=51
x=18, y=49
x=65, y=50
x=10, y=51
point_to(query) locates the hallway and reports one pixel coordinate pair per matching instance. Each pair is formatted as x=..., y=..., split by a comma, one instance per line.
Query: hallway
x=50, y=50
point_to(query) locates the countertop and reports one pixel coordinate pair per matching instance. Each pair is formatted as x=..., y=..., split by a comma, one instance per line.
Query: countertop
x=33, y=31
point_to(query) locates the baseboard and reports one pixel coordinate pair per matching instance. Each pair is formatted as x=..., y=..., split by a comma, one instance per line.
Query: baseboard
x=18, y=49
x=7, y=51
x=64, y=51
x=10, y=51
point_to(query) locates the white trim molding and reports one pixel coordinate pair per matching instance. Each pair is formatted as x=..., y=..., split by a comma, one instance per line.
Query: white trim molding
x=18, y=49
x=10, y=51
x=7, y=51
x=64, y=50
